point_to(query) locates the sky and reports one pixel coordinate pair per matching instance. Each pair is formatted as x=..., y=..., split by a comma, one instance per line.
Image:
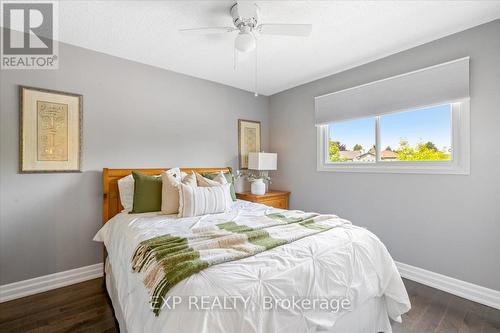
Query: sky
x=430, y=124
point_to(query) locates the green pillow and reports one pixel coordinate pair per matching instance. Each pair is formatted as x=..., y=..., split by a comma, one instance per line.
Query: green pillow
x=147, y=193
x=229, y=178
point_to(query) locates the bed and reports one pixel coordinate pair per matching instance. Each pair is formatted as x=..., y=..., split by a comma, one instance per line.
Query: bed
x=298, y=287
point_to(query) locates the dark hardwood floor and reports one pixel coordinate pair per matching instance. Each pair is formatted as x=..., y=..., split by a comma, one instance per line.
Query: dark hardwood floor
x=82, y=307
x=437, y=311
x=85, y=307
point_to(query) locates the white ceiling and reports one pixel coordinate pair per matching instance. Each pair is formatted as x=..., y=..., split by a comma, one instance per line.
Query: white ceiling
x=345, y=34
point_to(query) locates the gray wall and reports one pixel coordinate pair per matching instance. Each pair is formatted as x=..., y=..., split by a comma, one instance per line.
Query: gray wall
x=134, y=116
x=444, y=223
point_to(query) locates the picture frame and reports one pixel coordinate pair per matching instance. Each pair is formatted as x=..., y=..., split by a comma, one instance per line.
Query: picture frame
x=50, y=130
x=249, y=140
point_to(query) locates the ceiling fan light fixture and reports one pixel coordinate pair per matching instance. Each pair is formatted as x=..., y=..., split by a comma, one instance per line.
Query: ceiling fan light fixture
x=244, y=42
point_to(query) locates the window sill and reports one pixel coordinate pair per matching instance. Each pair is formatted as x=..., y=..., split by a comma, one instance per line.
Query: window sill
x=451, y=169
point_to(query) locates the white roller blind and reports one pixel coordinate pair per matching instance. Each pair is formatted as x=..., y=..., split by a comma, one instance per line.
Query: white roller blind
x=447, y=82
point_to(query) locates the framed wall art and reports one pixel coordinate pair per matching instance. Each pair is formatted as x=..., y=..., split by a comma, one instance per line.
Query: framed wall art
x=248, y=140
x=50, y=130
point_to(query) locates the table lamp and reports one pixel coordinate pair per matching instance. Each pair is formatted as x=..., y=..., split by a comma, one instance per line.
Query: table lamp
x=262, y=162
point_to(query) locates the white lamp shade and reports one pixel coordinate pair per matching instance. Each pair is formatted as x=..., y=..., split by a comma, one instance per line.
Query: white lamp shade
x=262, y=161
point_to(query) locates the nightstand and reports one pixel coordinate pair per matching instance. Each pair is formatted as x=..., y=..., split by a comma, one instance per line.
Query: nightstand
x=276, y=199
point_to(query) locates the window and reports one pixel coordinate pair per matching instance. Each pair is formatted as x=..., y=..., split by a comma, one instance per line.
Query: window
x=352, y=141
x=420, y=135
x=425, y=140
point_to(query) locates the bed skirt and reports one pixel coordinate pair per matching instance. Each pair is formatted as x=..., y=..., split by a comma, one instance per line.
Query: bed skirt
x=370, y=316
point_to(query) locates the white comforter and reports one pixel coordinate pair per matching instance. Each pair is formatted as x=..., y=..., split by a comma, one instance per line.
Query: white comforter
x=347, y=262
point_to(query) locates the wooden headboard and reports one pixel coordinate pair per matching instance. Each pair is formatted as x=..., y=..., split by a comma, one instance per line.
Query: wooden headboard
x=111, y=199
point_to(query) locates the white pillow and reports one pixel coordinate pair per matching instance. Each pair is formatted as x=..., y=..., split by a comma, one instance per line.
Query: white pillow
x=176, y=173
x=170, y=191
x=195, y=201
x=126, y=189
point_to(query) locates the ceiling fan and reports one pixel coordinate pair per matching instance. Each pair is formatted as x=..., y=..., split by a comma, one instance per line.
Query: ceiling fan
x=245, y=16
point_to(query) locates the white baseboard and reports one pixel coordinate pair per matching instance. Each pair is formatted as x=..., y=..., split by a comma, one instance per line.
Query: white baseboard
x=453, y=286
x=48, y=282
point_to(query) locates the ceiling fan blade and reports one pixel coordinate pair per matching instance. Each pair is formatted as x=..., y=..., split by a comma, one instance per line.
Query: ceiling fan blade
x=207, y=30
x=303, y=30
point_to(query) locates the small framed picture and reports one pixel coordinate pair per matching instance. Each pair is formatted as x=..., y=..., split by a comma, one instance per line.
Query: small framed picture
x=50, y=130
x=248, y=140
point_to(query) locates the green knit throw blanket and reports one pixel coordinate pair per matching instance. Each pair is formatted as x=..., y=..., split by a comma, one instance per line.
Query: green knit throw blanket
x=168, y=259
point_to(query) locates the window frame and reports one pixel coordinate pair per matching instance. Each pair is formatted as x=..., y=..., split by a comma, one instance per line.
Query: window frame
x=460, y=144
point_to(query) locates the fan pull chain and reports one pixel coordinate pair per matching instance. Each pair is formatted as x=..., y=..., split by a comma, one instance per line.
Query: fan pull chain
x=235, y=60
x=255, y=74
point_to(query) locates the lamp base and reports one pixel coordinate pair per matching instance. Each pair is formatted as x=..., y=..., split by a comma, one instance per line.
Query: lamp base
x=258, y=187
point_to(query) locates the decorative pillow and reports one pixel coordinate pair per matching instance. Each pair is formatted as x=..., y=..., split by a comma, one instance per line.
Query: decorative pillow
x=189, y=180
x=147, y=193
x=207, y=182
x=126, y=188
x=229, y=179
x=195, y=201
x=170, y=191
x=126, y=191
x=176, y=172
